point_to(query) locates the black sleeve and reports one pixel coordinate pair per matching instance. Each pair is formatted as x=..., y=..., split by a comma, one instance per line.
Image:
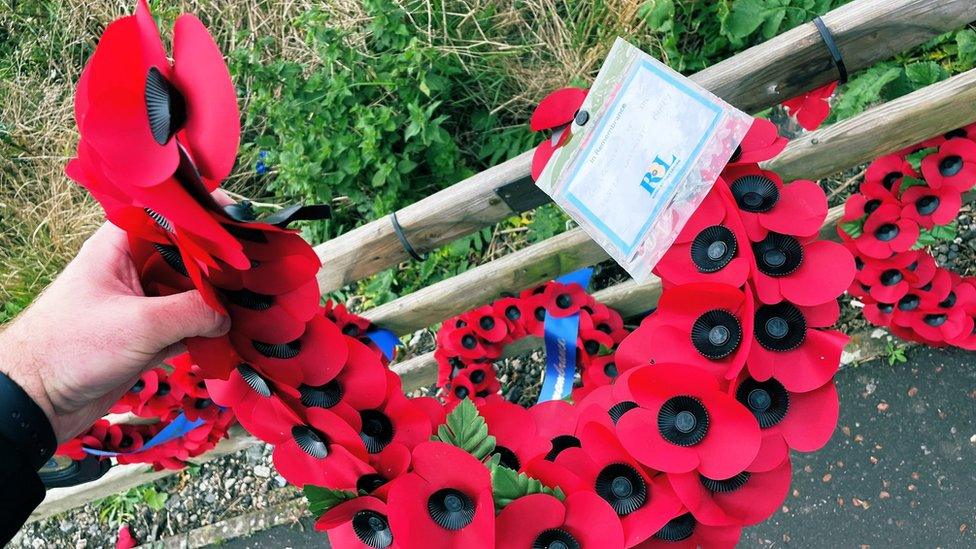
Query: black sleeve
x=21, y=488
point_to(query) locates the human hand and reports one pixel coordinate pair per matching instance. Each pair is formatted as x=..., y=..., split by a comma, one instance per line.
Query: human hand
x=92, y=332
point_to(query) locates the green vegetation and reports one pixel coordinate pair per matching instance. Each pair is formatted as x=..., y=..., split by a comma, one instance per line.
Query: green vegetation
x=121, y=508
x=372, y=104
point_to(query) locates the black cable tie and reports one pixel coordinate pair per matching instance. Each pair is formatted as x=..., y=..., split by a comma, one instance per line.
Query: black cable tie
x=403, y=239
x=831, y=44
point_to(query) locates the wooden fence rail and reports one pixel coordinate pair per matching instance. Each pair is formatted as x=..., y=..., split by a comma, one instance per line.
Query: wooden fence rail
x=866, y=31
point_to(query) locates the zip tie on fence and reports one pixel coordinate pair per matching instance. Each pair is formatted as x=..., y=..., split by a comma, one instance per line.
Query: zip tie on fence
x=831, y=44
x=403, y=239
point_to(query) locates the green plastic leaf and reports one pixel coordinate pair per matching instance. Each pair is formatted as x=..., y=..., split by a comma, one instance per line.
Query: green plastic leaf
x=466, y=429
x=909, y=181
x=322, y=499
x=508, y=485
x=945, y=232
x=915, y=159
x=853, y=228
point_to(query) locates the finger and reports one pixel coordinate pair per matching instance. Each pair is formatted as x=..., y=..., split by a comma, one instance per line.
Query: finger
x=175, y=317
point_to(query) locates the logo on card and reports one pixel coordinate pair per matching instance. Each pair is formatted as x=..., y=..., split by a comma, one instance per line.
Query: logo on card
x=657, y=172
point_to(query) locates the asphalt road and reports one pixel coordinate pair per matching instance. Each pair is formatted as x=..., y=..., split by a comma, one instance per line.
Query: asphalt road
x=900, y=471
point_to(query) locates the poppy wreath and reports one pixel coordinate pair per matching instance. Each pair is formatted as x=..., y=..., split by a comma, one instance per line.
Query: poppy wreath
x=468, y=344
x=908, y=203
x=689, y=442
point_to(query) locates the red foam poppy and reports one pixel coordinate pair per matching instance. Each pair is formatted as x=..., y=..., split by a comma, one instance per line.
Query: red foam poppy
x=608, y=321
x=930, y=206
x=465, y=343
x=742, y=500
x=922, y=298
x=556, y=419
x=601, y=372
x=363, y=382
x=516, y=440
x=258, y=401
x=698, y=426
x=512, y=309
x=280, y=261
x=805, y=273
x=396, y=420
x=562, y=300
x=704, y=324
x=136, y=109
x=443, y=507
x=888, y=280
x=761, y=142
x=272, y=318
x=137, y=395
x=488, y=325
x=788, y=420
x=952, y=166
x=350, y=324
x=315, y=358
x=885, y=174
x=684, y=532
x=793, y=345
x=766, y=204
x=185, y=376
x=811, y=108
x=164, y=403
x=591, y=342
x=583, y=520
x=360, y=523
x=712, y=246
x=321, y=449
x=642, y=499
x=555, y=112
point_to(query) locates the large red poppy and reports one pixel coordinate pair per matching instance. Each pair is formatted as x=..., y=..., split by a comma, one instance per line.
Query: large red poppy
x=397, y=420
x=443, y=507
x=360, y=523
x=684, y=532
x=766, y=204
x=320, y=449
x=806, y=273
x=583, y=520
x=704, y=324
x=694, y=424
x=930, y=206
x=761, y=142
x=555, y=113
x=516, y=440
x=314, y=358
x=952, y=166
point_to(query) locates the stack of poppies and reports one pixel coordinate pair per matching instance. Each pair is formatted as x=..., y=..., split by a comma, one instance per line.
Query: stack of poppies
x=908, y=201
x=470, y=343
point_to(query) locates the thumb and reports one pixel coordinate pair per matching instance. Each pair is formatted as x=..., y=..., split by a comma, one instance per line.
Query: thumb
x=186, y=314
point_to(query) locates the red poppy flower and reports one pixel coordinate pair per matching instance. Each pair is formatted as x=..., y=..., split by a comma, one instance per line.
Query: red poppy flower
x=464, y=341
x=363, y=383
x=457, y=390
x=922, y=298
x=684, y=532
x=349, y=323
x=607, y=321
x=487, y=324
x=396, y=420
x=711, y=247
x=811, y=108
x=199, y=408
x=861, y=204
x=141, y=391
x=805, y=273
x=793, y=346
x=535, y=323
x=801, y=421
x=741, y=500
x=704, y=324
x=184, y=375
x=443, y=507
x=583, y=520
x=765, y=204
x=591, y=342
x=760, y=143
x=165, y=402
x=556, y=421
x=642, y=499
x=256, y=400
x=272, y=318
x=280, y=261
x=556, y=113
x=516, y=440
x=953, y=166
x=561, y=300
x=885, y=175
x=137, y=110
x=360, y=523
x=698, y=426
x=929, y=206
x=322, y=450
x=315, y=358
x=601, y=372
x=512, y=309
x=888, y=280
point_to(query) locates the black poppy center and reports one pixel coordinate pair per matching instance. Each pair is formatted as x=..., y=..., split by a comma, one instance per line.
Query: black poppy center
x=610, y=370
x=477, y=376
x=254, y=380
x=450, y=509
x=927, y=204
x=618, y=410
x=713, y=248
x=282, y=351
x=372, y=529
x=202, y=403
x=683, y=421
x=564, y=301
x=250, y=300
x=561, y=443
x=716, y=334
x=163, y=389
x=778, y=254
x=891, y=277
x=890, y=179
x=507, y=457
x=377, y=431
x=949, y=301
x=310, y=441
x=727, y=485
x=755, y=193
x=887, y=232
x=950, y=165
x=171, y=256
x=620, y=485
x=323, y=396
x=871, y=205
x=468, y=341
x=350, y=330
x=138, y=386
x=165, y=107
x=513, y=313
x=767, y=400
x=461, y=392
x=555, y=538
x=486, y=322
x=935, y=320
x=780, y=327
x=909, y=303
x=886, y=308
x=677, y=529
x=369, y=482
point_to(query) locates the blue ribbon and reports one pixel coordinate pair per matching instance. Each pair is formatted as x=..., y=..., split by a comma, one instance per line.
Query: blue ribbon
x=386, y=340
x=177, y=428
x=560, y=339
